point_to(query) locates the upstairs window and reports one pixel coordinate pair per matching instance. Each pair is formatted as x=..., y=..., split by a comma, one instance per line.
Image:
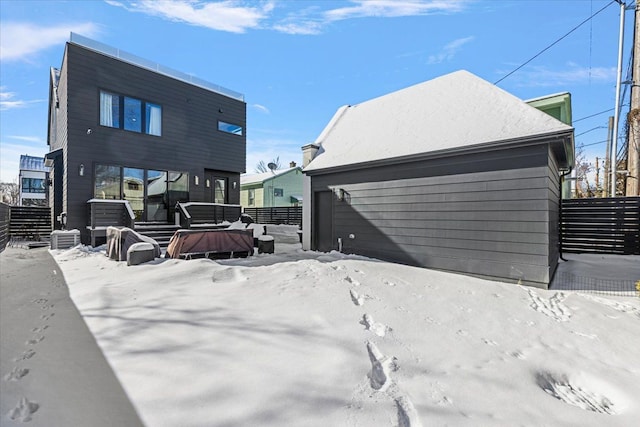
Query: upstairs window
x=230, y=128
x=33, y=185
x=134, y=115
x=109, y=110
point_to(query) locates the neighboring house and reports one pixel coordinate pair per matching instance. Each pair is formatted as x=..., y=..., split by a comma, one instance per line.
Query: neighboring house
x=453, y=174
x=272, y=189
x=33, y=181
x=123, y=128
x=558, y=105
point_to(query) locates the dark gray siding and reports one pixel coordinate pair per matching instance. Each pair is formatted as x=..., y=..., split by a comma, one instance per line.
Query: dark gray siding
x=58, y=140
x=485, y=214
x=554, y=213
x=190, y=140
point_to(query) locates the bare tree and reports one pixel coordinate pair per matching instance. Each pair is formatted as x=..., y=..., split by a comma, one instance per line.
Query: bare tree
x=583, y=167
x=9, y=192
x=261, y=167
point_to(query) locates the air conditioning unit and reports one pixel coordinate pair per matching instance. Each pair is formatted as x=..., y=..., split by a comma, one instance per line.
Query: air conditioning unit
x=64, y=239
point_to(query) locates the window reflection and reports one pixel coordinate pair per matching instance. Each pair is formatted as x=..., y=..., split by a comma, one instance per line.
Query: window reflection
x=133, y=190
x=132, y=111
x=107, y=182
x=220, y=190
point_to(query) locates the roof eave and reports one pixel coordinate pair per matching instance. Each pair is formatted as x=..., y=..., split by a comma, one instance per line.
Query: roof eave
x=555, y=137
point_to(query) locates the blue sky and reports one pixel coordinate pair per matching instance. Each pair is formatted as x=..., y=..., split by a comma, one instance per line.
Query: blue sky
x=297, y=61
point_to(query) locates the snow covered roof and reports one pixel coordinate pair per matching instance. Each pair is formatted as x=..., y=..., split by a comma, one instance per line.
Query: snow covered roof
x=258, y=178
x=454, y=111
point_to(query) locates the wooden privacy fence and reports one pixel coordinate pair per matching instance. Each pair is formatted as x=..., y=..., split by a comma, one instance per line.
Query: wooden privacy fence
x=291, y=215
x=607, y=225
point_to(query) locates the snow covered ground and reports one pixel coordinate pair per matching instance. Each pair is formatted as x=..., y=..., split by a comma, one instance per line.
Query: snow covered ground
x=325, y=339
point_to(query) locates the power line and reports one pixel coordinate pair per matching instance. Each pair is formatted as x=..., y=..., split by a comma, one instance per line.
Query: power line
x=556, y=42
x=597, y=114
x=593, y=115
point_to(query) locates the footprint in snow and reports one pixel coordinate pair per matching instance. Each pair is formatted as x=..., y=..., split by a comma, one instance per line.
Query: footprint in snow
x=27, y=354
x=553, y=307
x=47, y=316
x=35, y=340
x=517, y=354
x=351, y=280
x=489, y=342
x=577, y=394
x=389, y=283
x=407, y=414
x=357, y=299
x=23, y=410
x=16, y=374
x=616, y=305
x=40, y=329
x=377, y=328
x=381, y=367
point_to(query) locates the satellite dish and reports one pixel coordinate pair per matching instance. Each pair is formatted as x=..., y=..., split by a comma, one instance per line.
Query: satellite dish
x=272, y=166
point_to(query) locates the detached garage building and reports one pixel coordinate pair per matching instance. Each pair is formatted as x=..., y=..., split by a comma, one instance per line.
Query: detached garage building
x=453, y=174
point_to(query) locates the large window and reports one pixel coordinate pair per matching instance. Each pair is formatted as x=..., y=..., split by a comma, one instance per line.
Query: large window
x=33, y=185
x=150, y=193
x=135, y=115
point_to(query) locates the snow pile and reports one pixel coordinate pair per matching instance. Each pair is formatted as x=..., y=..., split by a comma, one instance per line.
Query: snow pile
x=313, y=339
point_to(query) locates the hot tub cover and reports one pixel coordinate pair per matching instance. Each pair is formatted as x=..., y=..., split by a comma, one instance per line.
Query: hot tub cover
x=186, y=242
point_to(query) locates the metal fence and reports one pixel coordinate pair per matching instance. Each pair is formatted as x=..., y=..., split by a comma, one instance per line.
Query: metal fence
x=564, y=281
x=277, y=215
x=5, y=219
x=605, y=225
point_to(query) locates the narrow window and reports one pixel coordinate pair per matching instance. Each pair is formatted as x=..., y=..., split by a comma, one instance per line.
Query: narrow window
x=109, y=109
x=153, y=119
x=230, y=128
x=252, y=196
x=132, y=114
x=220, y=190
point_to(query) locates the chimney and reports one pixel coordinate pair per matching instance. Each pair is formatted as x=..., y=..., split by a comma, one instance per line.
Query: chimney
x=309, y=151
x=292, y=164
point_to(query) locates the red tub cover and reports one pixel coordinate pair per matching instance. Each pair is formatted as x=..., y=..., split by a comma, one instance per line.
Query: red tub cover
x=185, y=242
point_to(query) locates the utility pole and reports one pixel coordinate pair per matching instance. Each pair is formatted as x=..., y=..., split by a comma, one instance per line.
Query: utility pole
x=616, y=119
x=598, y=189
x=633, y=143
x=607, y=160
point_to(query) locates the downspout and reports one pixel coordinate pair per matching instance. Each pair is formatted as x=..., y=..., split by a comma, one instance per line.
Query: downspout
x=562, y=176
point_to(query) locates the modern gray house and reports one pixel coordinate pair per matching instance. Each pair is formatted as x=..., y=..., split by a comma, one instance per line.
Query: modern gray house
x=453, y=174
x=122, y=128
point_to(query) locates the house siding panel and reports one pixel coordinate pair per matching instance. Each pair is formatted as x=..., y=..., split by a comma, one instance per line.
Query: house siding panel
x=484, y=214
x=554, y=198
x=190, y=140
